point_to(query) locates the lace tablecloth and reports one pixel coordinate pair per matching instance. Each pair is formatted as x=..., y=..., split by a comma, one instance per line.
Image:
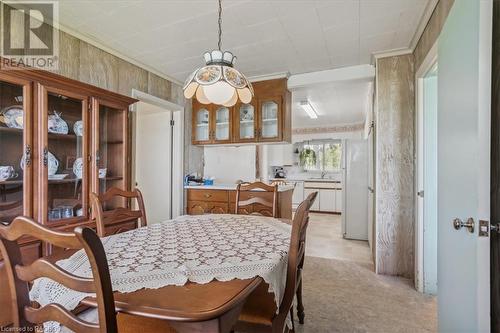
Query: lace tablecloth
x=189, y=248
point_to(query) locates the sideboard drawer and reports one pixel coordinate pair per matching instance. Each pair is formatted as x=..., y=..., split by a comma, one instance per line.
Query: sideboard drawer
x=207, y=195
x=204, y=207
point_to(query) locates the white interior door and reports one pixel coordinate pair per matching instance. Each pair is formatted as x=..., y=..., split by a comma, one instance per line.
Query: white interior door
x=153, y=160
x=464, y=57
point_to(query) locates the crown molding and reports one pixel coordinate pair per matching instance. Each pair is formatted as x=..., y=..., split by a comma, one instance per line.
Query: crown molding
x=390, y=53
x=272, y=76
x=93, y=42
x=424, y=20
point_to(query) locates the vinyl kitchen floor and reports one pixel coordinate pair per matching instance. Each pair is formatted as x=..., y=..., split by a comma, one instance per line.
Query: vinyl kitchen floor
x=343, y=294
x=324, y=240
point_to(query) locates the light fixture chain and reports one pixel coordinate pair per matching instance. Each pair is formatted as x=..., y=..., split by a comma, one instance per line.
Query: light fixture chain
x=220, y=25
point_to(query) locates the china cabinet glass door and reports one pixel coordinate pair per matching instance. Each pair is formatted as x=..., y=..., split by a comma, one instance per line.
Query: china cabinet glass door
x=63, y=119
x=222, y=124
x=202, y=125
x=269, y=119
x=15, y=142
x=110, y=162
x=246, y=122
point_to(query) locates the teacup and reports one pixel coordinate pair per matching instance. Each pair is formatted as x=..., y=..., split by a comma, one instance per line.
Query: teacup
x=7, y=172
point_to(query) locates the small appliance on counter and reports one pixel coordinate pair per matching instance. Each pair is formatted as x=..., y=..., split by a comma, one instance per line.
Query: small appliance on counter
x=279, y=172
x=192, y=180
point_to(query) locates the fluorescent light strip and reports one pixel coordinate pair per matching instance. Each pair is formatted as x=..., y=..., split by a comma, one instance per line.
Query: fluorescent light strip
x=309, y=109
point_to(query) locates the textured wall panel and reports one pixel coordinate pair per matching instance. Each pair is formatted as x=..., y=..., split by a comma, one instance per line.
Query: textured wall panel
x=131, y=77
x=98, y=67
x=395, y=175
x=69, y=56
x=159, y=87
x=432, y=31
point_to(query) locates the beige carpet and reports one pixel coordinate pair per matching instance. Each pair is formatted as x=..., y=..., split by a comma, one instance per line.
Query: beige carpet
x=344, y=296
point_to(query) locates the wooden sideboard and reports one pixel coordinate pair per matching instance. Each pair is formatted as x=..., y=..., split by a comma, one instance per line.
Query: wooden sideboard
x=222, y=201
x=267, y=118
x=53, y=125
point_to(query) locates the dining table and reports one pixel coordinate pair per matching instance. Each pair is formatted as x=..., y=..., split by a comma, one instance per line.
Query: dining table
x=194, y=272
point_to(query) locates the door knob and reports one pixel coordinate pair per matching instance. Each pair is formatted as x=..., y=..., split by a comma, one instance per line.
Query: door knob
x=459, y=224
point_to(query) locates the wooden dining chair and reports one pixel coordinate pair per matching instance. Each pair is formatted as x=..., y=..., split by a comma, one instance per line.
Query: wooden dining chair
x=26, y=317
x=300, y=305
x=259, y=312
x=119, y=214
x=245, y=201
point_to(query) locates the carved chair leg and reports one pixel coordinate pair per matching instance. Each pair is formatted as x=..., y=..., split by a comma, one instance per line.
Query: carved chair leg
x=300, y=305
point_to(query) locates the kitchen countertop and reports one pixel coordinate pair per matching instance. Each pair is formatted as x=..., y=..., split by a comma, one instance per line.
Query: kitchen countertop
x=317, y=180
x=231, y=187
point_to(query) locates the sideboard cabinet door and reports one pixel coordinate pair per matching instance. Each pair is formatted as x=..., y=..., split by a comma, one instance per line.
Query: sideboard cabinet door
x=62, y=128
x=110, y=167
x=16, y=143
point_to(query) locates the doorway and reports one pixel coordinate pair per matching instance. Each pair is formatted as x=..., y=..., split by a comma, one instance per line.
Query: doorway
x=158, y=156
x=427, y=156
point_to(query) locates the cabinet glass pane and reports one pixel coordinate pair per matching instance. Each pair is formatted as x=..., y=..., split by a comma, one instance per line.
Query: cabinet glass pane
x=11, y=151
x=65, y=160
x=222, y=124
x=111, y=152
x=269, y=119
x=202, y=125
x=247, y=121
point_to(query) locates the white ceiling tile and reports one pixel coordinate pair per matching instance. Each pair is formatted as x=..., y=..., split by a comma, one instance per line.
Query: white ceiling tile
x=267, y=36
x=337, y=13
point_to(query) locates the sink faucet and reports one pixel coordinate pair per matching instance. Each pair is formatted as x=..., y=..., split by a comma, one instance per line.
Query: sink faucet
x=323, y=174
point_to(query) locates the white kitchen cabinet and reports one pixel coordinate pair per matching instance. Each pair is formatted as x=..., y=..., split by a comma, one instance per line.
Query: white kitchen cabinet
x=338, y=200
x=315, y=205
x=327, y=200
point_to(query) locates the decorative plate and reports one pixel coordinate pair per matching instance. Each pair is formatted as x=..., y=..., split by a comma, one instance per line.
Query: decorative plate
x=78, y=128
x=78, y=168
x=13, y=116
x=57, y=124
x=53, y=164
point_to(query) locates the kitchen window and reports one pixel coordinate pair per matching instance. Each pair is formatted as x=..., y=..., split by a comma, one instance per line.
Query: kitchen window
x=321, y=156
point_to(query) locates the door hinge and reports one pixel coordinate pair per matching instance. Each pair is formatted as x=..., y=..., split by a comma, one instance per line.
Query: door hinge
x=172, y=122
x=89, y=158
x=420, y=193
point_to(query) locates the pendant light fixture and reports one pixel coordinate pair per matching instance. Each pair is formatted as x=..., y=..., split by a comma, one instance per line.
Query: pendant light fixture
x=218, y=82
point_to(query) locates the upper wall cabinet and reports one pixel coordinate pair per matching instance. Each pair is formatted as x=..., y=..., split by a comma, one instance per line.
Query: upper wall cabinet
x=267, y=118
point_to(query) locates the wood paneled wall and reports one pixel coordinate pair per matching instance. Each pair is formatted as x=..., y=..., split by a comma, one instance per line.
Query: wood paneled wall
x=432, y=31
x=395, y=121
x=395, y=116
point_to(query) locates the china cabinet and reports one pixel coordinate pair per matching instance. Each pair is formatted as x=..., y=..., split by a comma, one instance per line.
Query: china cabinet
x=267, y=118
x=60, y=140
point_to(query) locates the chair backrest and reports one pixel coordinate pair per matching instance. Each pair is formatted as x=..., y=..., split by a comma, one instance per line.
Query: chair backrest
x=119, y=214
x=296, y=254
x=245, y=206
x=24, y=315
